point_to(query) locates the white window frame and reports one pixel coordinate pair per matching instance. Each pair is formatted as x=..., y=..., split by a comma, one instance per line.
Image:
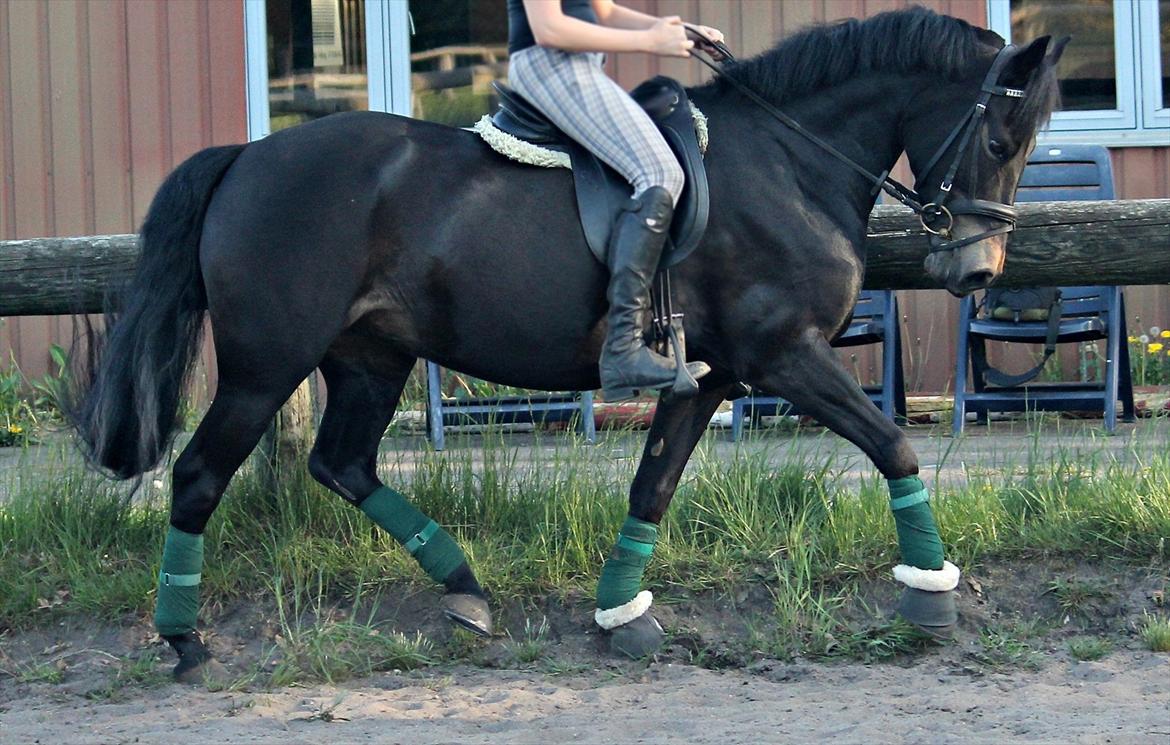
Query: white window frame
x=1155, y=111
x=1131, y=123
x=387, y=60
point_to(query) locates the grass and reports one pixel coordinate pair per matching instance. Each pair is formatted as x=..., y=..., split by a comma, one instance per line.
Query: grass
x=1089, y=648
x=75, y=545
x=1155, y=632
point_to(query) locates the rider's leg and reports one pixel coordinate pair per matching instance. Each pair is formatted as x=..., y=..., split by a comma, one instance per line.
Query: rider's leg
x=574, y=92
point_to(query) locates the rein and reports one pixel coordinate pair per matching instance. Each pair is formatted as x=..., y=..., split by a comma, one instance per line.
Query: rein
x=929, y=212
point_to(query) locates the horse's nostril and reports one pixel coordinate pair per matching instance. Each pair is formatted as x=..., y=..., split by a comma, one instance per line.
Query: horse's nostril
x=978, y=280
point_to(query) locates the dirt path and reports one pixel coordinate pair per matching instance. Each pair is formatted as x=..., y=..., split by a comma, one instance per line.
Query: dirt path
x=1124, y=698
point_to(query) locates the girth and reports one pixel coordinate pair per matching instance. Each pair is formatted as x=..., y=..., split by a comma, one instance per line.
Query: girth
x=601, y=191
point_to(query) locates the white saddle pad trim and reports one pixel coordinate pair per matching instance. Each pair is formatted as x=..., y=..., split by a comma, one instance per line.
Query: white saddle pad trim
x=521, y=151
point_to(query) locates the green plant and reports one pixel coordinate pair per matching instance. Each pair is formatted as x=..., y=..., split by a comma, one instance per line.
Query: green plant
x=533, y=645
x=1087, y=649
x=1149, y=357
x=1155, y=632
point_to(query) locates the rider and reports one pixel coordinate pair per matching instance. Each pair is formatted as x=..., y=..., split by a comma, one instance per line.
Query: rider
x=557, y=50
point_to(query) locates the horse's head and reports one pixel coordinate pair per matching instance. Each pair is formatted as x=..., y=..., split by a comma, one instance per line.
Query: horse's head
x=968, y=142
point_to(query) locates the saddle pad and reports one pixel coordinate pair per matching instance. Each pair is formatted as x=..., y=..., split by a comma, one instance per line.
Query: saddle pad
x=514, y=148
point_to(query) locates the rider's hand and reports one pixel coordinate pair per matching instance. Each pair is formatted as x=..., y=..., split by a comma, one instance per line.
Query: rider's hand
x=706, y=38
x=668, y=38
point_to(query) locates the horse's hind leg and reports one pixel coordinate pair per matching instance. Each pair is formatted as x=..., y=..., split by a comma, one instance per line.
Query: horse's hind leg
x=623, y=608
x=344, y=459
x=233, y=425
x=809, y=374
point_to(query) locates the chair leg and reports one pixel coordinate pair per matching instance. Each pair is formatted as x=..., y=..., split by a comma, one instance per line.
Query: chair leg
x=737, y=407
x=1112, y=360
x=1125, y=373
x=962, y=354
x=588, y=427
x=435, y=406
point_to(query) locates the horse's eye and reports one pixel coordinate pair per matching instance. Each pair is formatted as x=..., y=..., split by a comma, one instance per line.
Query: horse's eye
x=997, y=149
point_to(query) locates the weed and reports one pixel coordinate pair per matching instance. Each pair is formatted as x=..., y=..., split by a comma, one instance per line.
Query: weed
x=1003, y=649
x=43, y=672
x=533, y=645
x=1155, y=633
x=1079, y=598
x=1089, y=648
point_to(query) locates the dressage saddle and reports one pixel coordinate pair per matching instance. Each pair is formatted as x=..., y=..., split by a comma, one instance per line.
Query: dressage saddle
x=601, y=191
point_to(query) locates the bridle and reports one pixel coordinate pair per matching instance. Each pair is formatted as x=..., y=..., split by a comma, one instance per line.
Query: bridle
x=936, y=217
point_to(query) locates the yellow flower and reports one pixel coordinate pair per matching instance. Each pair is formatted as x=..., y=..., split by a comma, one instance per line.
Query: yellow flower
x=1155, y=348
x=1132, y=339
x=14, y=429
x=1165, y=334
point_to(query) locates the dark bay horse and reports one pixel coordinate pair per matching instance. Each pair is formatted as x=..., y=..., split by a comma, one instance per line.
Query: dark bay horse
x=358, y=243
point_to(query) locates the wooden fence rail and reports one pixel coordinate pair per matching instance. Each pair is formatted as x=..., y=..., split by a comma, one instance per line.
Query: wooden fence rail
x=1055, y=243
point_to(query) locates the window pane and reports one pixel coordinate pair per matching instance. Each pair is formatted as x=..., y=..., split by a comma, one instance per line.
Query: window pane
x=459, y=47
x=316, y=59
x=1164, y=45
x=1088, y=68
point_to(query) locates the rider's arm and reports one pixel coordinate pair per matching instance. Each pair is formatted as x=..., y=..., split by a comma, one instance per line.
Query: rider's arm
x=552, y=28
x=613, y=15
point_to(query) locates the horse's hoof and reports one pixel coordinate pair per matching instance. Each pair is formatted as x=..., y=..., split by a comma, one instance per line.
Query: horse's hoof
x=210, y=672
x=932, y=612
x=196, y=665
x=639, y=638
x=469, y=611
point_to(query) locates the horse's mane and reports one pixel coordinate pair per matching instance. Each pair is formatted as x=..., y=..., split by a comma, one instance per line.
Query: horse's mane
x=903, y=41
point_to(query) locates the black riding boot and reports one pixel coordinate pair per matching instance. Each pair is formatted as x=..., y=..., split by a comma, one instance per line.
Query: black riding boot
x=627, y=365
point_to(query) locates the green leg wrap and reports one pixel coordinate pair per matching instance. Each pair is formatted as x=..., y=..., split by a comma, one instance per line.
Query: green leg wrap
x=431, y=546
x=917, y=533
x=621, y=577
x=178, y=584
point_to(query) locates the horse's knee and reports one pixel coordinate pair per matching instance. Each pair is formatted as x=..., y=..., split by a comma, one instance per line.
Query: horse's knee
x=195, y=494
x=351, y=481
x=898, y=458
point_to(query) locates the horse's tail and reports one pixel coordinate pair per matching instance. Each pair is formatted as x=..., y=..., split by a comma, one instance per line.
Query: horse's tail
x=127, y=392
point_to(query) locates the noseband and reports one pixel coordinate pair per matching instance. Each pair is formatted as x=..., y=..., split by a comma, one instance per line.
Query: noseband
x=936, y=217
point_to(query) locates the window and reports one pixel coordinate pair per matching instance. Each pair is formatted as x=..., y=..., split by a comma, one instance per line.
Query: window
x=310, y=58
x=1113, y=74
x=457, y=49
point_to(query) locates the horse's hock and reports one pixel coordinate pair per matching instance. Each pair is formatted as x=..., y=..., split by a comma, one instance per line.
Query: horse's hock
x=1055, y=243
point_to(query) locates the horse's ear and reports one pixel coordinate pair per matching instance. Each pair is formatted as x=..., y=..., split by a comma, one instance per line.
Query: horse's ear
x=1024, y=62
x=1057, y=49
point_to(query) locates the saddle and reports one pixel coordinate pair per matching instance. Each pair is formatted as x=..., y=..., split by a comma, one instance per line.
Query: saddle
x=601, y=191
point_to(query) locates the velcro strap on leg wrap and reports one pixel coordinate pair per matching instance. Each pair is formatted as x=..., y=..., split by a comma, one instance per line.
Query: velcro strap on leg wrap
x=421, y=538
x=166, y=579
x=918, y=536
x=621, y=576
x=434, y=548
x=177, y=607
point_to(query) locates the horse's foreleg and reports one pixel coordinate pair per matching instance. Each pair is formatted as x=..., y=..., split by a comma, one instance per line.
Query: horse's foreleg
x=810, y=375
x=344, y=459
x=623, y=608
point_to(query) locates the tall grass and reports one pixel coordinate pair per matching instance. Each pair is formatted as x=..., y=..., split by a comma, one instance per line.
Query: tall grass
x=73, y=543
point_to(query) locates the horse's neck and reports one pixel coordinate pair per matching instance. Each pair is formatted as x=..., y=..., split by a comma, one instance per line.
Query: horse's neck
x=861, y=118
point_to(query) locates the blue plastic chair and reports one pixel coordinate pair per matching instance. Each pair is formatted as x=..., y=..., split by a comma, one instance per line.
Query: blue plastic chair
x=540, y=407
x=1053, y=173
x=875, y=320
